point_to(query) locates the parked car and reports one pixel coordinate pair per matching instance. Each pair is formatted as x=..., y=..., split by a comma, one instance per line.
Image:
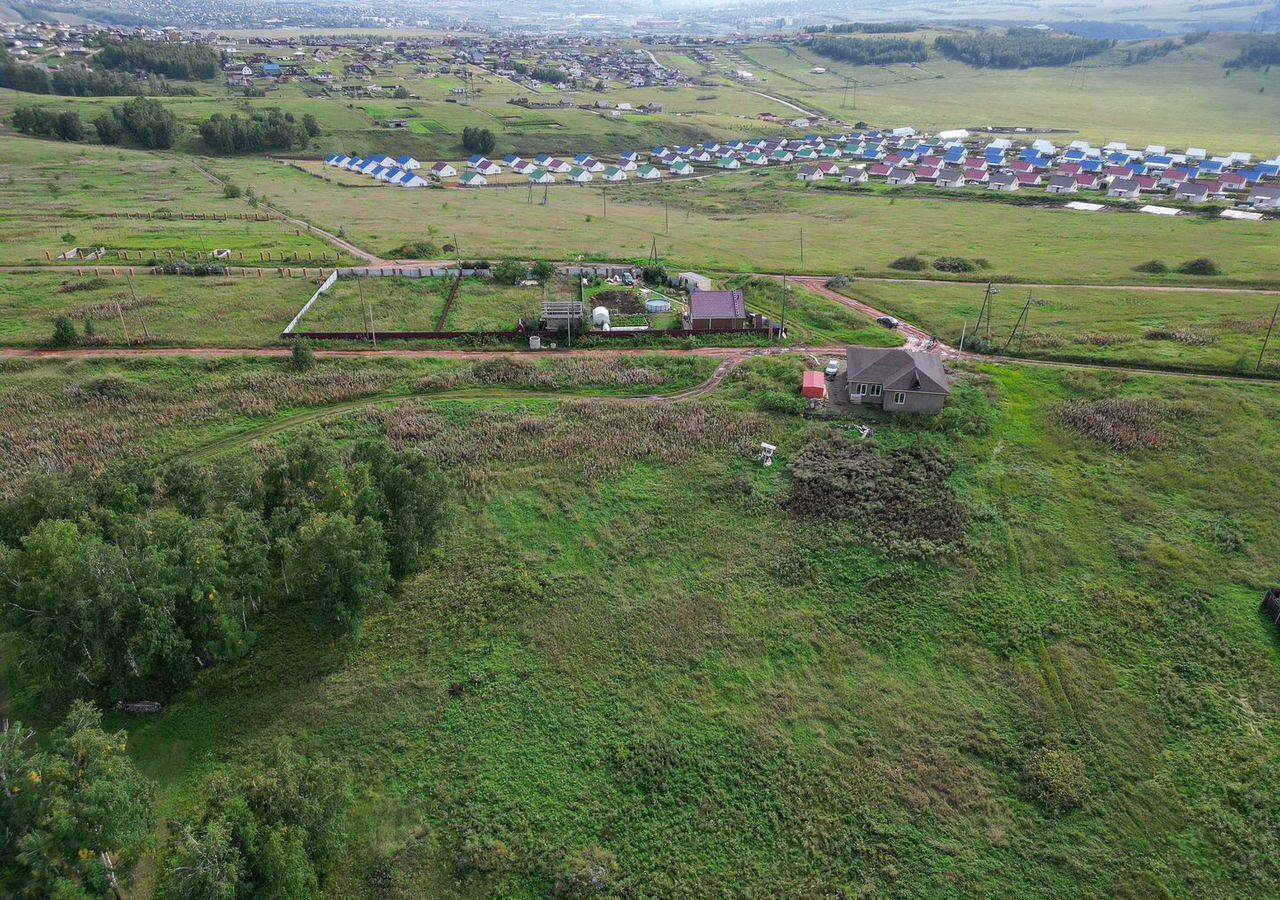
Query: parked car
x=832, y=369
x=627, y=279
x=888, y=321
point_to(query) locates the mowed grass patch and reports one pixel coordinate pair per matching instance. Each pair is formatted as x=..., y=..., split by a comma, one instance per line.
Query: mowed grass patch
x=625, y=645
x=157, y=310
x=1214, y=331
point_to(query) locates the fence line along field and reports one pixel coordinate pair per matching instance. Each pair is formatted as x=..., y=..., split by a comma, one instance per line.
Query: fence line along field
x=732, y=223
x=149, y=309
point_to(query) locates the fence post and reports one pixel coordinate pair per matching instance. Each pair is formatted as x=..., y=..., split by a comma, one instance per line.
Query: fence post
x=47, y=256
x=259, y=273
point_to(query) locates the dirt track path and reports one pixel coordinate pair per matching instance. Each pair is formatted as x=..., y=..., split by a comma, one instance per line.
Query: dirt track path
x=312, y=416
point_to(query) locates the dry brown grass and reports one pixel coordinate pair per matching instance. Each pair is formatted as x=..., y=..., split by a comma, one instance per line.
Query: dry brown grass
x=1123, y=423
x=599, y=436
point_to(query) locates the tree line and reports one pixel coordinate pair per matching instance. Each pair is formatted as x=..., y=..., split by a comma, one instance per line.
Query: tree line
x=870, y=51
x=864, y=28
x=190, y=62
x=142, y=121
x=77, y=81
x=269, y=129
x=1018, y=48
x=1262, y=51
x=123, y=586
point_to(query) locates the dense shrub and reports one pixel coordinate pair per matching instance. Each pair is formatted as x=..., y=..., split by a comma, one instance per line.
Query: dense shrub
x=1018, y=48
x=64, y=332
x=898, y=500
x=911, y=263
x=1201, y=265
x=416, y=250
x=1152, y=267
x=1057, y=778
x=954, y=264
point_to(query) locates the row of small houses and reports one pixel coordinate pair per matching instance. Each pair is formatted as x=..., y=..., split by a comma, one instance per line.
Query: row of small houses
x=898, y=158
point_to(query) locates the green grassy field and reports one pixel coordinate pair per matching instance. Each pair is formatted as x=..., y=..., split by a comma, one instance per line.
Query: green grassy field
x=56, y=196
x=1194, y=329
x=738, y=223
x=416, y=304
x=161, y=310
x=625, y=643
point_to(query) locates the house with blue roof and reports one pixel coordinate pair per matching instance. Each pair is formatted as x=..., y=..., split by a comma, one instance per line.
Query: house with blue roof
x=1210, y=166
x=1158, y=161
x=1091, y=165
x=629, y=155
x=408, y=163
x=271, y=70
x=510, y=158
x=955, y=155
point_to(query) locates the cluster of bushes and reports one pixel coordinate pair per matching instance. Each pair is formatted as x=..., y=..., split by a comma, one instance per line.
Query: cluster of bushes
x=478, y=140
x=870, y=51
x=121, y=586
x=191, y=62
x=898, y=499
x=182, y=267
x=1201, y=265
x=261, y=130
x=960, y=264
x=74, y=81
x=1018, y=48
x=65, y=125
x=912, y=263
x=144, y=121
x=510, y=271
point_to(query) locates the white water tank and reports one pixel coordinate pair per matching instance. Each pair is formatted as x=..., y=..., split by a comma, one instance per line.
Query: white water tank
x=599, y=316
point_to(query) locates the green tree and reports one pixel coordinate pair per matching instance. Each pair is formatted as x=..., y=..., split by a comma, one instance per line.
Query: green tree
x=543, y=271
x=64, y=332
x=91, y=817
x=509, y=271
x=478, y=140
x=68, y=127
x=338, y=567
x=203, y=861
x=268, y=831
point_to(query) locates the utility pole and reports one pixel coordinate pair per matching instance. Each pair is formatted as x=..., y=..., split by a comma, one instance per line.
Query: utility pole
x=802, y=246
x=784, y=306
x=963, y=329
x=1020, y=323
x=1267, y=339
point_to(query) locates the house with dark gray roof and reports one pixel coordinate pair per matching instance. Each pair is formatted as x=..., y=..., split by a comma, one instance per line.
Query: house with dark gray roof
x=710, y=310
x=896, y=380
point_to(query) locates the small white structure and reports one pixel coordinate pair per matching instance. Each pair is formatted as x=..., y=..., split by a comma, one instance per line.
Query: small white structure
x=766, y=453
x=600, y=317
